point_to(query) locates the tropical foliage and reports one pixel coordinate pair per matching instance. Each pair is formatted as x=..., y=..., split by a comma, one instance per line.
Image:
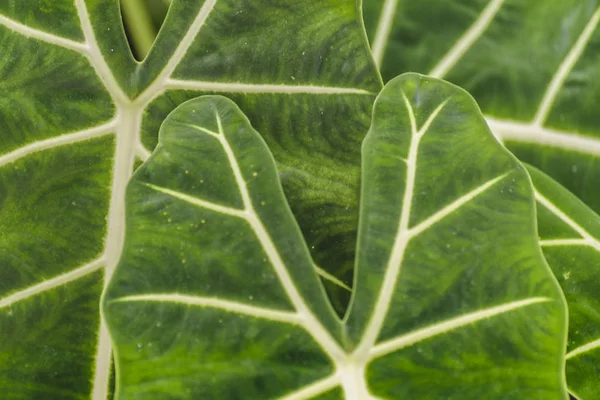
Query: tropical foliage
x=295, y=231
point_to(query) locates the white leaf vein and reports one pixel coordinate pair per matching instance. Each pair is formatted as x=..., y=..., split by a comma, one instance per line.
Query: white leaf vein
x=52, y=283
x=583, y=349
x=233, y=212
x=466, y=41
x=102, y=363
x=529, y=133
x=393, y=266
x=217, y=303
x=565, y=242
x=49, y=38
x=586, y=239
x=203, y=130
x=331, y=278
x=260, y=88
x=314, y=389
x=61, y=140
x=312, y=324
x=420, y=335
x=158, y=86
x=455, y=205
x=142, y=152
x=564, y=69
x=96, y=58
x=128, y=121
x=127, y=134
x=384, y=29
x=591, y=240
x=534, y=132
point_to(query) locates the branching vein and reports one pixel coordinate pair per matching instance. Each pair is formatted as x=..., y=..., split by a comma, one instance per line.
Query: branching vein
x=158, y=86
x=534, y=132
x=95, y=55
x=393, y=266
x=313, y=325
x=591, y=240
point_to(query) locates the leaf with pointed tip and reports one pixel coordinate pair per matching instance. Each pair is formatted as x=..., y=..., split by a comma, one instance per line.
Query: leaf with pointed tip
x=570, y=238
x=531, y=65
x=216, y=295
x=77, y=113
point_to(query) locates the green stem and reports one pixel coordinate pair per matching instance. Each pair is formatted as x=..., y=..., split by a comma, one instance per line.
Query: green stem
x=139, y=25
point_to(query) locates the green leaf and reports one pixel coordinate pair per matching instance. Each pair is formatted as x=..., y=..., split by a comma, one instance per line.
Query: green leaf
x=216, y=295
x=78, y=113
x=533, y=68
x=531, y=65
x=570, y=238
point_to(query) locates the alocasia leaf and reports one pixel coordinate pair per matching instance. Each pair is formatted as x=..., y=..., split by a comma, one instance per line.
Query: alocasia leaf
x=77, y=113
x=216, y=296
x=570, y=238
x=532, y=66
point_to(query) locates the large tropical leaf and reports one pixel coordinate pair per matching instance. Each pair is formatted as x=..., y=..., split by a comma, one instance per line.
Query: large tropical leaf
x=570, y=238
x=216, y=295
x=77, y=112
x=532, y=66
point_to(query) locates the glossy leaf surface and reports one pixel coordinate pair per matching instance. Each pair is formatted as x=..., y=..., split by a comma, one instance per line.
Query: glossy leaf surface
x=531, y=65
x=77, y=113
x=533, y=68
x=570, y=238
x=216, y=295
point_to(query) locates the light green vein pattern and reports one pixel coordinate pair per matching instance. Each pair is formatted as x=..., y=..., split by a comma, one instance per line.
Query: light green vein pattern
x=78, y=114
x=569, y=234
x=216, y=295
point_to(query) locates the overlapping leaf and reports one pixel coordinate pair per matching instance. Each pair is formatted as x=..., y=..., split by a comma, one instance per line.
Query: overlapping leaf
x=531, y=65
x=216, y=295
x=77, y=112
x=570, y=238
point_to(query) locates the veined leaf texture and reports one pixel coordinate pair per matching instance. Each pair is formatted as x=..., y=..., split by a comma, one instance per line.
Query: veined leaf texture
x=533, y=68
x=79, y=114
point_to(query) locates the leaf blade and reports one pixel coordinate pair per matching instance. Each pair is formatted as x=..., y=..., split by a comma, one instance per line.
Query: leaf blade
x=428, y=264
x=488, y=328
x=564, y=217
x=292, y=293
x=71, y=82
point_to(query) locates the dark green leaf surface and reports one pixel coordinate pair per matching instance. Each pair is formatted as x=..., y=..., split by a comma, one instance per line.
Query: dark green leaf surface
x=77, y=113
x=216, y=296
x=570, y=238
x=531, y=65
